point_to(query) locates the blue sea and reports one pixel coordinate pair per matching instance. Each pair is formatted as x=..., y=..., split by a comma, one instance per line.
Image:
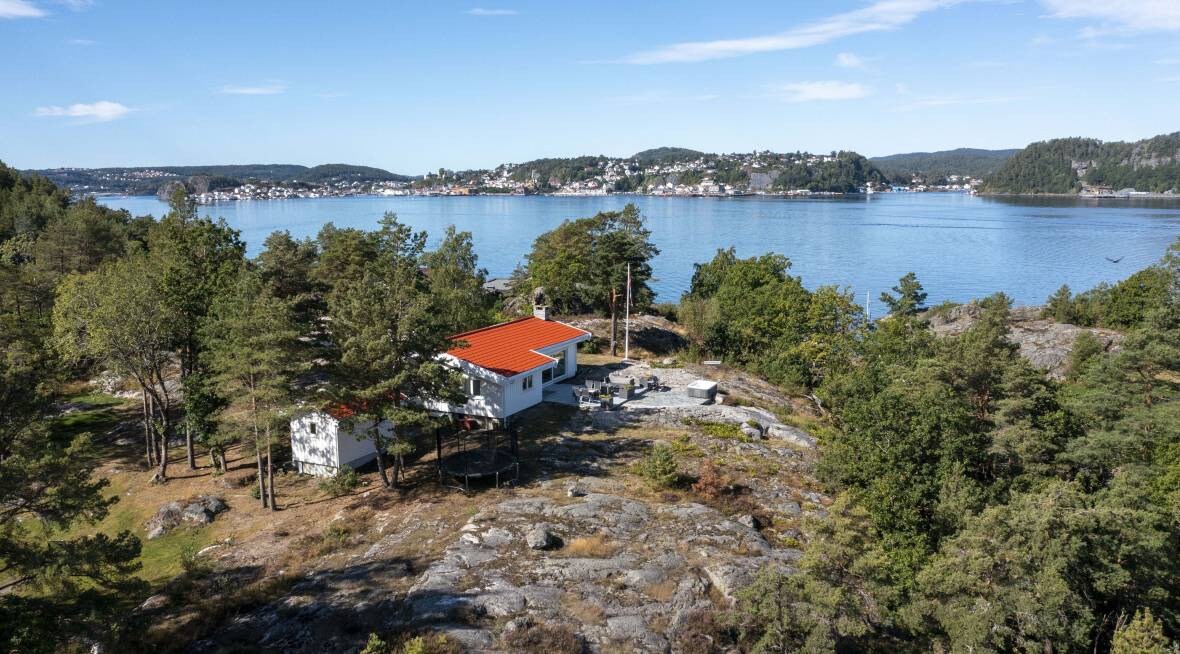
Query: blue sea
x=961, y=247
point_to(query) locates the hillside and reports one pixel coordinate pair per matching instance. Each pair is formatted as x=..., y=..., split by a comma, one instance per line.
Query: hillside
x=666, y=155
x=972, y=162
x=1071, y=164
x=147, y=180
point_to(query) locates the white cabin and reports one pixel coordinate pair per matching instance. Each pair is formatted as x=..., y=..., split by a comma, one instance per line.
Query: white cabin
x=324, y=441
x=506, y=366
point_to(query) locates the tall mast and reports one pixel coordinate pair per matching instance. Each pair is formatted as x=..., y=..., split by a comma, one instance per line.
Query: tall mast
x=627, y=318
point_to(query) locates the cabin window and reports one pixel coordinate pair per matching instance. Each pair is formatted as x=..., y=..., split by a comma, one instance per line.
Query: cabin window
x=311, y=428
x=475, y=387
x=527, y=382
x=547, y=375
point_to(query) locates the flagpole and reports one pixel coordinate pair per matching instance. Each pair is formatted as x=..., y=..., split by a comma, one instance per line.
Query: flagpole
x=627, y=319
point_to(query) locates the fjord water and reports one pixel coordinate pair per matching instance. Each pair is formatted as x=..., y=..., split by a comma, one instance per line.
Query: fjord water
x=961, y=247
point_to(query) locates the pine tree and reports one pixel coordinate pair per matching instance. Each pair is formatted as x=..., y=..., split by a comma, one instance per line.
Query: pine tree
x=908, y=298
x=387, y=327
x=1142, y=635
x=251, y=338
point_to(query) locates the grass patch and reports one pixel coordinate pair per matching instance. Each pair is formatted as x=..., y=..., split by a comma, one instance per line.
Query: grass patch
x=590, y=547
x=718, y=429
x=682, y=446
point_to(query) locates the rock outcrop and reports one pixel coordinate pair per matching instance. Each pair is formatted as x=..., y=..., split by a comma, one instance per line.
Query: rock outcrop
x=200, y=510
x=627, y=574
x=1046, y=344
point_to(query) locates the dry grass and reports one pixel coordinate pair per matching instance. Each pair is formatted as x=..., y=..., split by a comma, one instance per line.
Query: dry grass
x=543, y=638
x=662, y=591
x=590, y=547
x=582, y=611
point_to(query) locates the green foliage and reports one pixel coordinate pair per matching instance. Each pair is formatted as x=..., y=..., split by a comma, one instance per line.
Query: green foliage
x=752, y=313
x=716, y=429
x=843, y=591
x=375, y=645
x=1142, y=635
x=908, y=297
x=847, y=172
x=658, y=467
x=343, y=482
x=456, y=280
x=582, y=264
x=389, y=328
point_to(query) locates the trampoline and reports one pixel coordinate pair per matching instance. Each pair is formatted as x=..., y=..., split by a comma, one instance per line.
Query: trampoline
x=467, y=456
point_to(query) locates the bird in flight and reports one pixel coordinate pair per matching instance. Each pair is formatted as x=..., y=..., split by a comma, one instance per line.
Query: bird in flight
x=1115, y=260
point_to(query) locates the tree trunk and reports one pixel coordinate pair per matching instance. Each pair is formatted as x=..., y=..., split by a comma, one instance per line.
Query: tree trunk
x=148, y=441
x=188, y=447
x=614, y=330
x=162, y=429
x=270, y=472
x=379, y=445
x=261, y=476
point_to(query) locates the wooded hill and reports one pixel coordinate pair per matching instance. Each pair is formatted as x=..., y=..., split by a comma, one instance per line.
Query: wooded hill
x=1068, y=165
x=147, y=180
x=934, y=166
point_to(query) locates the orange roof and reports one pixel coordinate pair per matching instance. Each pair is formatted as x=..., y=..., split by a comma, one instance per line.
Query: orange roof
x=509, y=348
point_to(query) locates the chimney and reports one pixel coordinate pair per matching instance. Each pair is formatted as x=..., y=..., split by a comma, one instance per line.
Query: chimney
x=541, y=312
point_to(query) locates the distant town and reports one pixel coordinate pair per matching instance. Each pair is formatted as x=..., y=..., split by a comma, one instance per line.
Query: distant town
x=660, y=172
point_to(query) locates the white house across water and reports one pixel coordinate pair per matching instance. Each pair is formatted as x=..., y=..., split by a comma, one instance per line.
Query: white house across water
x=504, y=368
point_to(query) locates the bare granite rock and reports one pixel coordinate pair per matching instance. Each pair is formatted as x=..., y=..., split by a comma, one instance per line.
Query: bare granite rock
x=1046, y=344
x=199, y=510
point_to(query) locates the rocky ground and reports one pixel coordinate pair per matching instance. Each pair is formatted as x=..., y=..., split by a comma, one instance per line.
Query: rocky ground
x=581, y=545
x=1046, y=344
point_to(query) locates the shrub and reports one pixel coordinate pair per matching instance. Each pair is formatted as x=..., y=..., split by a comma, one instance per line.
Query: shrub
x=682, y=446
x=190, y=561
x=342, y=483
x=710, y=483
x=543, y=638
x=659, y=467
x=434, y=644
x=375, y=645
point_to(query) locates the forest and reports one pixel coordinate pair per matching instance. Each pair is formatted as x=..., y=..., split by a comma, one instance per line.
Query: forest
x=979, y=504
x=937, y=166
x=1064, y=166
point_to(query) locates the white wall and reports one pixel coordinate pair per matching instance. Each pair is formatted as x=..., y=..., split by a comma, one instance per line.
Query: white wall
x=333, y=445
x=313, y=451
x=519, y=399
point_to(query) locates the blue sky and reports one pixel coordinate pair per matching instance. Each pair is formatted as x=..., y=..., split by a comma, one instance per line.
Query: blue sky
x=414, y=86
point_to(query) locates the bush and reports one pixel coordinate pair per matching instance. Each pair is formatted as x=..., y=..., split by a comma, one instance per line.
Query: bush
x=659, y=467
x=669, y=310
x=701, y=632
x=435, y=644
x=342, y=483
x=710, y=483
x=542, y=638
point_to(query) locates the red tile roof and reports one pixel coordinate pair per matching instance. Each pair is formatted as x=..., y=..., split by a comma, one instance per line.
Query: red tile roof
x=508, y=348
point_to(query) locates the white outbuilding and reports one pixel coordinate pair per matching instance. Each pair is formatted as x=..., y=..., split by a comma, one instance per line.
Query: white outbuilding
x=323, y=441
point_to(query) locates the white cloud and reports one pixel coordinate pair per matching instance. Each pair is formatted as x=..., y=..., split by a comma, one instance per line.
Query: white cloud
x=931, y=102
x=478, y=11
x=19, y=9
x=880, y=15
x=1120, y=15
x=813, y=91
x=76, y=5
x=272, y=87
x=849, y=60
x=1168, y=61
x=98, y=112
